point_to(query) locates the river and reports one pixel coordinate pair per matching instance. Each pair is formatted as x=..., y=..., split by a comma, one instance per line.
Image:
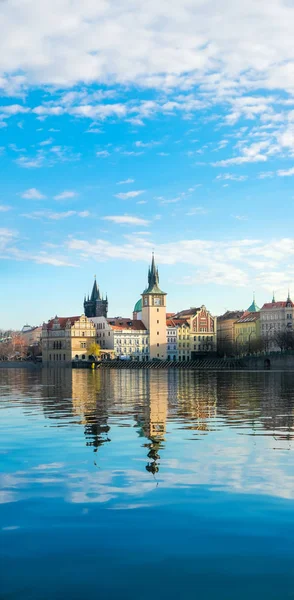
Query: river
x=137, y=484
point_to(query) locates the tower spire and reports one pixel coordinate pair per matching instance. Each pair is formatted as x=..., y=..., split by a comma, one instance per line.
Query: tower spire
x=274, y=298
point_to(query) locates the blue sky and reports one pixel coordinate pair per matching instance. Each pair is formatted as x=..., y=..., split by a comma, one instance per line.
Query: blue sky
x=126, y=128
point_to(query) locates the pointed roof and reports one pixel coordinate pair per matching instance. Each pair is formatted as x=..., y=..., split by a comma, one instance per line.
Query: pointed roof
x=253, y=307
x=153, y=279
x=95, y=292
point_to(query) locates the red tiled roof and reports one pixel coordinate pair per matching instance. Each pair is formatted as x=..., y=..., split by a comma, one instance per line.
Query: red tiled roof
x=121, y=324
x=169, y=315
x=175, y=322
x=248, y=317
x=270, y=305
x=62, y=321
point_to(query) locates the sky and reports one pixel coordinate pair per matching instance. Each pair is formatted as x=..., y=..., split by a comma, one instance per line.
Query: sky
x=128, y=127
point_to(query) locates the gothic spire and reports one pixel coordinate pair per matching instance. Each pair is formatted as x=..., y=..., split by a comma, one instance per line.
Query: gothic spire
x=95, y=291
x=153, y=279
x=274, y=298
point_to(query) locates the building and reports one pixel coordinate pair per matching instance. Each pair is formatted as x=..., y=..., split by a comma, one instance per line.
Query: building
x=200, y=333
x=65, y=339
x=171, y=339
x=31, y=335
x=154, y=314
x=276, y=320
x=225, y=328
x=95, y=305
x=127, y=338
x=247, y=331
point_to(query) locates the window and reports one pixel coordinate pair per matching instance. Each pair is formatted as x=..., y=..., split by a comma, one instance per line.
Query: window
x=83, y=357
x=158, y=333
x=49, y=356
x=157, y=345
x=64, y=357
x=158, y=354
x=83, y=333
x=158, y=310
x=157, y=321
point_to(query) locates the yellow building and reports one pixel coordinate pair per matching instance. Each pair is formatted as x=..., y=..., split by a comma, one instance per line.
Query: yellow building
x=225, y=326
x=65, y=339
x=247, y=331
x=183, y=330
x=201, y=336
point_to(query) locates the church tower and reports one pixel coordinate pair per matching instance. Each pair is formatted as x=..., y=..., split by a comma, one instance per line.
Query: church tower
x=154, y=314
x=96, y=305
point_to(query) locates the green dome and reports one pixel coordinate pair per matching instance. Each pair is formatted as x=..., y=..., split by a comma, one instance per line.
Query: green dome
x=138, y=306
x=253, y=307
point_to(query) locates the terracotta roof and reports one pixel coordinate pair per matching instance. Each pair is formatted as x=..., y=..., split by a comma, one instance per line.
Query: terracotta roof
x=169, y=315
x=121, y=324
x=270, y=305
x=62, y=321
x=249, y=317
x=175, y=322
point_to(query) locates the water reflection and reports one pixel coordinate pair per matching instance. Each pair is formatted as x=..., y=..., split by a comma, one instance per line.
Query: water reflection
x=231, y=431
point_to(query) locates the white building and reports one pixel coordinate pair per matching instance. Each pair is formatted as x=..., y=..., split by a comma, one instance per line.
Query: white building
x=126, y=337
x=171, y=340
x=276, y=318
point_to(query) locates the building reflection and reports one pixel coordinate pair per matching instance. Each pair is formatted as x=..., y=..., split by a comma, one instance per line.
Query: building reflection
x=152, y=416
x=196, y=399
x=91, y=406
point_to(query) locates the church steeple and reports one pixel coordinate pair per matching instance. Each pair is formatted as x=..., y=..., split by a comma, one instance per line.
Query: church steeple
x=153, y=279
x=95, y=306
x=95, y=292
x=274, y=298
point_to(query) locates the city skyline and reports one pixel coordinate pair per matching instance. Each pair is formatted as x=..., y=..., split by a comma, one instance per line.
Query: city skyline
x=124, y=130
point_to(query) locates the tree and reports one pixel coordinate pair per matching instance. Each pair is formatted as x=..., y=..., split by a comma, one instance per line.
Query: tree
x=6, y=350
x=285, y=340
x=94, y=350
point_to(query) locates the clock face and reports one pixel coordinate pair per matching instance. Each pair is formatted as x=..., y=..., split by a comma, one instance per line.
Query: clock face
x=156, y=301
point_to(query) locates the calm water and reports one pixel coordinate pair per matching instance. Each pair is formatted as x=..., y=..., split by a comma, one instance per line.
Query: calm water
x=134, y=485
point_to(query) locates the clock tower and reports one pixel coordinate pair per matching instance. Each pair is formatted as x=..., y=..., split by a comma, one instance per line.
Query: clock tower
x=154, y=314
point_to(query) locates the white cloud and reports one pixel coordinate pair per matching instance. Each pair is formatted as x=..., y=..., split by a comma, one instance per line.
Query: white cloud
x=127, y=195
x=286, y=172
x=46, y=142
x=65, y=195
x=231, y=177
x=4, y=207
x=102, y=153
x=126, y=220
x=33, y=194
x=56, y=216
x=125, y=181
x=266, y=264
x=151, y=144
x=31, y=163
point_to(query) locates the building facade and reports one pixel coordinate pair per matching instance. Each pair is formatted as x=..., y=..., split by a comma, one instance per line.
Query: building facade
x=247, y=332
x=128, y=339
x=276, y=319
x=65, y=339
x=171, y=339
x=95, y=305
x=225, y=328
x=202, y=332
